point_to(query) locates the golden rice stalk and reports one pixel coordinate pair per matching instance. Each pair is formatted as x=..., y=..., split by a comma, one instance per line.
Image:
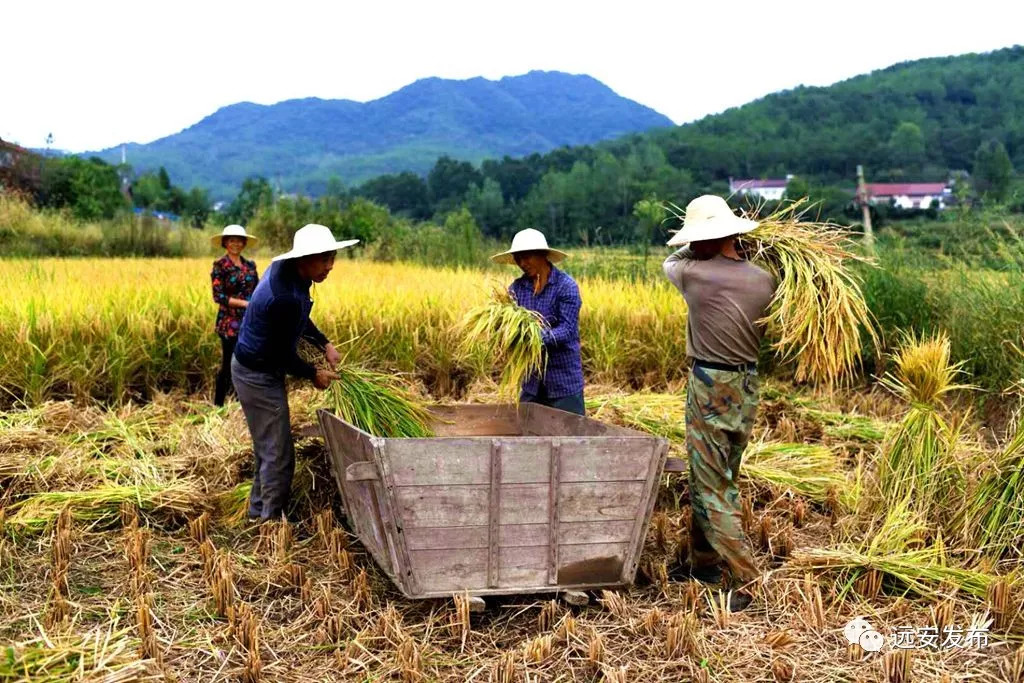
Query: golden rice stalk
x=897, y=666
x=619, y=675
x=691, y=597
x=361, y=595
x=322, y=606
x=832, y=505
x=252, y=672
x=390, y=625
x=993, y=516
x=720, y=609
x=566, y=629
x=208, y=554
x=784, y=544
x=595, y=651
x=199, y=528
x=652, y=622
x=764, y=535
x=813, y=607
x=1013, y=666
x=511, y=334
x=681, y=636
x=408, y=661
x=818, y=312
x=783, y=670
x=998, y=601
x=538, y=650
x=223, y=585
x=662, y=530
x=505, y=668
x=547, y=616
x=129, y=515
x=799, y=513
x=869, y=584
x=780, y=640
x=747, y=515
x=942, y=616
x=149, y=647
x=283, y=535
x=615, y=604
x=459, y=623
x=324, y=526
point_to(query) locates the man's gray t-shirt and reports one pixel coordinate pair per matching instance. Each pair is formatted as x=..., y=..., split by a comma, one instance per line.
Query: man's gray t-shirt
x=724, y=298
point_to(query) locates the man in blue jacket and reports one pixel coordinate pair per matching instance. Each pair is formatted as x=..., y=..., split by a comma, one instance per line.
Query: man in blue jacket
x=276, y=318
x=552, y=293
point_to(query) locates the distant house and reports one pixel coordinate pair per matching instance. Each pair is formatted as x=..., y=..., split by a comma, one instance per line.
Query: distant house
x=771, y=189
x=910, y=195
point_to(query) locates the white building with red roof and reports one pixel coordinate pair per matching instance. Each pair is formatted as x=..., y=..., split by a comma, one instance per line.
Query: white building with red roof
x=909, y=195
x=771, y=189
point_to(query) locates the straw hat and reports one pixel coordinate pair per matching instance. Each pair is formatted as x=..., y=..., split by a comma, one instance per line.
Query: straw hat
x=232, y=231
x=529, y=240
x=708, y=217
x=313, y=239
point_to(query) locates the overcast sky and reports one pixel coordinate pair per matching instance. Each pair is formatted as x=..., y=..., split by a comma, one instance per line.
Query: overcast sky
x=99, y=73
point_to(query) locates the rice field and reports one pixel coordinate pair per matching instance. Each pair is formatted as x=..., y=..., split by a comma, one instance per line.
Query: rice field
x=125, y=554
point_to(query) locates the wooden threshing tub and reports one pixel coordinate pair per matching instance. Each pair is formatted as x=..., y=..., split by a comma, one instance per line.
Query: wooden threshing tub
x=503, y=499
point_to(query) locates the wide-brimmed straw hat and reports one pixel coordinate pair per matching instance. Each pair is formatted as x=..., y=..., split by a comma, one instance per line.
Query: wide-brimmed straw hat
x=233, y=231
x=707, y=218
x=529, y=240
x=313, y=239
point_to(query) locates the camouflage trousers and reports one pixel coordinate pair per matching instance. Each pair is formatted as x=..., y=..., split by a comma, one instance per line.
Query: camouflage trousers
x=720, y=410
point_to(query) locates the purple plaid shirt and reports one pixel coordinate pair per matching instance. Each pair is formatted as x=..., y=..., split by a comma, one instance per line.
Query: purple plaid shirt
x=559, y=302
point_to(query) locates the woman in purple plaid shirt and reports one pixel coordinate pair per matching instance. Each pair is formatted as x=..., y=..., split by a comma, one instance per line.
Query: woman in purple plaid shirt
x=552, y=293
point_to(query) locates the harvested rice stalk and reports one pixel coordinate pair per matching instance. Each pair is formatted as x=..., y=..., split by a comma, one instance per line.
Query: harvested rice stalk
x=895, y=548
x=101, y=506
x=547, y=616
x=371, y=401
x=993, y=518
x=459, y=623
x=511, y=334
x=324, y=526
x=538, y=650
x=595, y=650
x=659, y=414
x=408, y=661
x=807, y=470
x=505, y=669
x=897, y=666
x=361, y=594
x=652, y=621
x=818, y=311
x=615, y=604
x=199, y=528
x=106, y=655
x=566, y=629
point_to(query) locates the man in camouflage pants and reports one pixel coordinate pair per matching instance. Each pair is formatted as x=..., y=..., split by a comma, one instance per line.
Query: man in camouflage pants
x=726, y=296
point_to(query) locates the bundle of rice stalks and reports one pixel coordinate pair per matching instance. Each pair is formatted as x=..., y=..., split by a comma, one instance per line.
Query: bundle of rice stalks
x=101, y=506
x=993, y=516
x=659, y=414
x=510, y=334
x=918, y=459
x=371, y=401
x=896, y=548
x=98, y=655
x=818, y=312
x=807, y=470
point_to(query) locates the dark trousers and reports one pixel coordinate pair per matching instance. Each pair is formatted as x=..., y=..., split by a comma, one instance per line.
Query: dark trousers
x=264, y=400
x=570, y=404
x=224, y=385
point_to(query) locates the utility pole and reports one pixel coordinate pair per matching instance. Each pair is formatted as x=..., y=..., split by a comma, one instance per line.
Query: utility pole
x=862, y=196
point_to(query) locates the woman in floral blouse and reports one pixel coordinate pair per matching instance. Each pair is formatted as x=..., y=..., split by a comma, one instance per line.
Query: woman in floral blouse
x=234, y=279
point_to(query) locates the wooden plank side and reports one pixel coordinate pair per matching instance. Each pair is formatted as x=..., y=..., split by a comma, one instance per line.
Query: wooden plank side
x=545, y=421
x=517, y=535
x=451, y=461
x=392, y=521
x=450, y=506
x=475, y=420
x=659, y=452
x=347, y=445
